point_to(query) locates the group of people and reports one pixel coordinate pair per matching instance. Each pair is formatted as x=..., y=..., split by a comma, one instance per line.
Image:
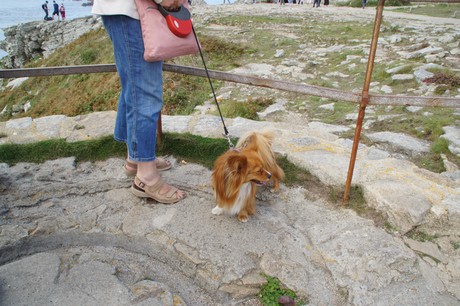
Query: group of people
x=316, y=3
x=57, y=11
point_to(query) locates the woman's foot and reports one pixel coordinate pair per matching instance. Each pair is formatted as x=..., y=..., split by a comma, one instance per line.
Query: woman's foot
x=130, y=167
x=148, y=184
x=158, y=190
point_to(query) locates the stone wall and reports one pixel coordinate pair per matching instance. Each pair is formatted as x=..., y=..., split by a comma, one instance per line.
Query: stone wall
x=35, y=39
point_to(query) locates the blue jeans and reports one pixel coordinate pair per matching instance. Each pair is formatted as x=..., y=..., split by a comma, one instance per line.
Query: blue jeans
x=141, y=96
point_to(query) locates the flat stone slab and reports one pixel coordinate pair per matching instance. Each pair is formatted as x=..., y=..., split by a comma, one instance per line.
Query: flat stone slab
x=408, y=144
x=89, y=233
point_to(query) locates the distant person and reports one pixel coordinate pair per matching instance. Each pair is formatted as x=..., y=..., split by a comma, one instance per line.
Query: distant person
x=317, y=3
x=326, y=2
x=228, y=2
x=55, y=9
x=62, y=11
x=45, y=9
x=363, y=3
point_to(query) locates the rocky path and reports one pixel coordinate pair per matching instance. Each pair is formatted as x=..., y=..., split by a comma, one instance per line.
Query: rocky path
x=80, y=229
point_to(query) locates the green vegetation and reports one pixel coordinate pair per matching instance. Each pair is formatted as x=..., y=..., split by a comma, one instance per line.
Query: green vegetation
x=247, y=109
x=79, y=94
x=448, y=81
x=446, y=10
x=183, y=146
x=373, y=3
x=423, y=127
x=190, y=148
x=273, y=290
x=390, y=228
x=39, y=152
x=420, y=236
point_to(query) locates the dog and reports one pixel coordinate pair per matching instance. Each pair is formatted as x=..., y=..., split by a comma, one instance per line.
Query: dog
x=238, y=172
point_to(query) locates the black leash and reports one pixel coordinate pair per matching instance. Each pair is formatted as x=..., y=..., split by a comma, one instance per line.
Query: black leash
x=226, y=134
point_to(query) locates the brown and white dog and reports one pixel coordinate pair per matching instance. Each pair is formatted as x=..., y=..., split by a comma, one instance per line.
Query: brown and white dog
x=238, y=172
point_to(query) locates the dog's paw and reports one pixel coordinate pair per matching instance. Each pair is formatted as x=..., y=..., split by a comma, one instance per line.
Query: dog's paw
x=243, y=218
x=217, y=210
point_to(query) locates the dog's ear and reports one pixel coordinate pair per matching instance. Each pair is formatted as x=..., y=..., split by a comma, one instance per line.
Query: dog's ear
x=238, y=163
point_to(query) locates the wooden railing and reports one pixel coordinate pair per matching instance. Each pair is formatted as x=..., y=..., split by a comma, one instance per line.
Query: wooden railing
x=339, y=95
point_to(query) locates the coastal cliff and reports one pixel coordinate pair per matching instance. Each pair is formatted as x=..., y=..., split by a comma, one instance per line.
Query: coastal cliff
x=35, y=39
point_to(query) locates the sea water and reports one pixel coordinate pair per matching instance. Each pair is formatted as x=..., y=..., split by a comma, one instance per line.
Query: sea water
x=14, y=12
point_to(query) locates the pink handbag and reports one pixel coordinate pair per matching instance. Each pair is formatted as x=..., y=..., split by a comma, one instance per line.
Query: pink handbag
x=159, y=42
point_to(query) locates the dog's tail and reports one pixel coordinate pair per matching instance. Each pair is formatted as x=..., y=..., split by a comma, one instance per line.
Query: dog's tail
x=265, y=138
x=261, y=141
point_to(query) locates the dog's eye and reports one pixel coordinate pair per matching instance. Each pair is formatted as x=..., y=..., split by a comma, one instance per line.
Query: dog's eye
x=261, y=171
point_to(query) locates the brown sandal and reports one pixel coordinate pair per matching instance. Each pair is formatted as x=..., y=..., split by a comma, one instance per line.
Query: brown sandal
x=131, y=168
x=153, y=192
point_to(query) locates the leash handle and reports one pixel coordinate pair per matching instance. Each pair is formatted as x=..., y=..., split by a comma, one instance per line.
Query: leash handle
x=226, y=134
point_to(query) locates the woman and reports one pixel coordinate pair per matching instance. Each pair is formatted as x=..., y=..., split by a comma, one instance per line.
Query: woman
x=140, y=99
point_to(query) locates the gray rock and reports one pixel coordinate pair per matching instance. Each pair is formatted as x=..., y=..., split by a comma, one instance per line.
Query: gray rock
x=35, y=39
x=421, y=75
x=329, y=106
x=452, y=134
x=386, y=89
x=19, y=124
x=279, y=53
x=413, y=109
x=277, y=107
x=408, y=144
x=424, y=51
x=397, y=69
x=455, y=51
x=49, y=126
x=402, y=77
x=329, y=128
x=16, y=82
x=426, y=248
x=404, y=206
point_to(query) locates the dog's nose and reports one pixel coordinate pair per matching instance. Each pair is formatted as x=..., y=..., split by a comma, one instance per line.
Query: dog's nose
x=269, y=175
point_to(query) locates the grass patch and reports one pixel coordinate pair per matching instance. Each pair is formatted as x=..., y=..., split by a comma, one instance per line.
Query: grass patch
x=456, y=245
x=424, y=127
x=430, y=161
x=191, y=147
x=295, y=176
x=448, y=81
x=420, y=236
x=182, y=146
x=444, y=10
x=338, y=115
x=39, y=152
x=390, y=228
x=273, y=290
x=373, y=3
x=247, y=109
x=74, y=95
